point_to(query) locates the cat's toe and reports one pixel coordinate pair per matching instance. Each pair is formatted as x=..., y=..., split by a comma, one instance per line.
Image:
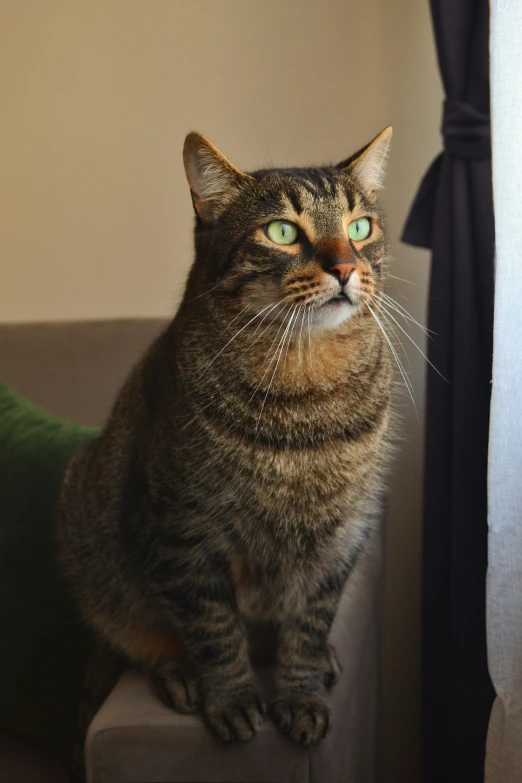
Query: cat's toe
x=305, y=718
x=178, y=689
x=235, y=718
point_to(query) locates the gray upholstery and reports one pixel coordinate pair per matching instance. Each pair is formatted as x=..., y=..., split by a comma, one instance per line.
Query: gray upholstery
x=74, y=369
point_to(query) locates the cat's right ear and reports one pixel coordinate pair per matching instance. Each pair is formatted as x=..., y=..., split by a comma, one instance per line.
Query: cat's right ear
x=213, y=180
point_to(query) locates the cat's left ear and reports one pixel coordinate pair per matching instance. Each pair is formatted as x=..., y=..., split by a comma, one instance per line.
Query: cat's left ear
x=213, y=180
x=368, y=165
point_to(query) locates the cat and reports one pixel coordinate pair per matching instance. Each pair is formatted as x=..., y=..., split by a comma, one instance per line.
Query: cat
x=235, y=482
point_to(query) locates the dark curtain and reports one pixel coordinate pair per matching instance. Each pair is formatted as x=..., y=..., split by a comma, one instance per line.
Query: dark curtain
x=453, y=215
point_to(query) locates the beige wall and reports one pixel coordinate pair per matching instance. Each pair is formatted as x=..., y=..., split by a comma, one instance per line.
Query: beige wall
x=414, y=101
x=96, y=219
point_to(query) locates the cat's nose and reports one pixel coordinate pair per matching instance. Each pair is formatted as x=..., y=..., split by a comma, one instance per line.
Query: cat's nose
x=342, y=271
x=336, y=257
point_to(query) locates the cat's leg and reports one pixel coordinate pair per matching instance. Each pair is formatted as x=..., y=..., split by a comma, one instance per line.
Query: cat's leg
x=307, y=666
x=302, y=678
x=215, y=638
x=204, y=666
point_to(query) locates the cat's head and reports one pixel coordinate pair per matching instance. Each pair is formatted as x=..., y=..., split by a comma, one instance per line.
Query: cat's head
x=309, y=239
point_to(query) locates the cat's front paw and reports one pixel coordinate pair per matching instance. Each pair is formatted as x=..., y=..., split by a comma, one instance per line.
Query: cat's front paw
x=304, y=717
x=235, y=717
x=178, y=688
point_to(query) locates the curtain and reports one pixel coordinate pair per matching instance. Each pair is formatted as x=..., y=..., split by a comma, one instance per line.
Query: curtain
x=453, y=215
x=504, y=584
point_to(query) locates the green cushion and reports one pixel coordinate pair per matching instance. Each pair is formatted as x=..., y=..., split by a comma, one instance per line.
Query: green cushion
x=43, y=644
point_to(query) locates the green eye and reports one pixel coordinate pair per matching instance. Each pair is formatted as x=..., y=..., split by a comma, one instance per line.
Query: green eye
x=359, y=229
x=282, y=233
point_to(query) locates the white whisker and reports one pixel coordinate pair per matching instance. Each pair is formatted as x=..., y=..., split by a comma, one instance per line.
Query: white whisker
x=234, y=337
x=401, y=279
x=238, y=315
x=271, y=322
x=394, y=332
x=301, y=334
x=269, y=352
x=397, y=360
x=405, y=314
x=414, y=343
x=205, y=292
x=282, y=344
x=290, y=336
x=310, y=336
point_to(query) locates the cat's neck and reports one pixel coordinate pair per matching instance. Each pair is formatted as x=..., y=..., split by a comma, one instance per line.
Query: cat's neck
x=315, y=359
x=288, y=364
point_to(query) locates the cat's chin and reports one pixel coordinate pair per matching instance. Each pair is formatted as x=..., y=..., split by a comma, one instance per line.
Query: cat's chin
x=333, y=313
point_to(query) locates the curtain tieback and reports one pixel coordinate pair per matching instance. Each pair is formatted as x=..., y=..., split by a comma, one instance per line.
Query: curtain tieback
x=466, y=133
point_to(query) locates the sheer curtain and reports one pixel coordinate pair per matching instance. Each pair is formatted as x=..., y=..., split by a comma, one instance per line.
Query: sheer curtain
x=504, y=582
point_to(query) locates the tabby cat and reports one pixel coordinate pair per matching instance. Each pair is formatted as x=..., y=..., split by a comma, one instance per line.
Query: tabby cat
x=235, y=482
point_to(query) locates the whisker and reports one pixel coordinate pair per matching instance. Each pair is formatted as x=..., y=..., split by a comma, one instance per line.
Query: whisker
x=301, y=334
x=290, y=336
x=271, y=322
x=233, y=338
x=288, y=332
x=397, y=360
x=310, y=336
x=234, y=319
x=415, y=344
x=268, y=157
x=405, y=314
x=392, y=305
x=393, y=331
x=273, y=357
x=265, y=330
x=205, y=292
x=311, y=316
x=401, y=279
x=282, y=343
x=190, y=421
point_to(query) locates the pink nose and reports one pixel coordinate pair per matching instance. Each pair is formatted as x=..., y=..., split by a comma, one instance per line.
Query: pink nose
x=342, y=271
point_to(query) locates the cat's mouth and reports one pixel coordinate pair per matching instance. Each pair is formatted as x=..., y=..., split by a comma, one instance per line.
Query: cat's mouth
x=342, y=296
x=334, y=310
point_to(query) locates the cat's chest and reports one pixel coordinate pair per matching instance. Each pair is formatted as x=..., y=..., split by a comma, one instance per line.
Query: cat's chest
x=270, y=593
x=306, y=492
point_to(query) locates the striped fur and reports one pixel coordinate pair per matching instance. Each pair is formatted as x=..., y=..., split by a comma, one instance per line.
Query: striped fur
x=236, y=479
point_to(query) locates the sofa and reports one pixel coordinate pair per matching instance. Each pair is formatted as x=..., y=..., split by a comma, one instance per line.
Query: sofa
x=74, y=370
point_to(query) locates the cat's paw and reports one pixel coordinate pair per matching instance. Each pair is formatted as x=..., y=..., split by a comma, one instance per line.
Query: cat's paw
x=304, y=717
x=178, y=688
x=235, y=717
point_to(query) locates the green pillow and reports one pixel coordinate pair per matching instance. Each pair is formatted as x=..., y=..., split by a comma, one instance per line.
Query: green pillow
x=43, y=645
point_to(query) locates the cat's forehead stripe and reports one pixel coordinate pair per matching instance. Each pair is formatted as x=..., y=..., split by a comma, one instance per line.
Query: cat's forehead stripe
x=293, y=198
x=307, y=185
x=316, y=185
